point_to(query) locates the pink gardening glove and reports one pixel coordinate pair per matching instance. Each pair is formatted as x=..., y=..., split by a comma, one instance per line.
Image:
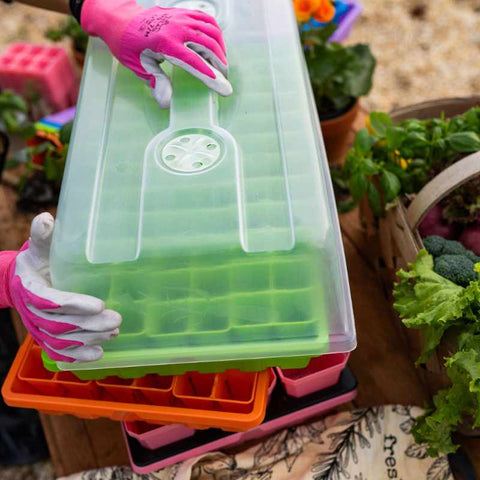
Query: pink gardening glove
x=68, y=326
x=142, y=38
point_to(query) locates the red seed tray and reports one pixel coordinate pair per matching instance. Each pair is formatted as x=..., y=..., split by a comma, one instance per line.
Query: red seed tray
x=232, y=400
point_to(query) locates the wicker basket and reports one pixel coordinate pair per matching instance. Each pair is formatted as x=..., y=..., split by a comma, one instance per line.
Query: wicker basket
x=396, y=235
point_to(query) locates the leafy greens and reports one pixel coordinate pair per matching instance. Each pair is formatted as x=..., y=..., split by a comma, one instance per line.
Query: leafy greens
x=428, y=301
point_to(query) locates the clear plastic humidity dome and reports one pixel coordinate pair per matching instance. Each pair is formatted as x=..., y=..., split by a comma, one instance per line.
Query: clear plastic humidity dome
x=211, y=227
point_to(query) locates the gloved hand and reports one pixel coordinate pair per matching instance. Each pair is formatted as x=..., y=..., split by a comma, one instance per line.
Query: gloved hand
x=141, y=38
x=68, y=326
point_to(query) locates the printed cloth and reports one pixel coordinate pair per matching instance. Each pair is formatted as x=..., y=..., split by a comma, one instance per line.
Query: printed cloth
x=365, y=444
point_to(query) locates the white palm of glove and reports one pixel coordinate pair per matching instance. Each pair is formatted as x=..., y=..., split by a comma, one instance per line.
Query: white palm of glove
x=70, y=327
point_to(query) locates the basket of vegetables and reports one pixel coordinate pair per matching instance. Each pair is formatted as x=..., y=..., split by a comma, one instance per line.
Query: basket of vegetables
x=416, y=173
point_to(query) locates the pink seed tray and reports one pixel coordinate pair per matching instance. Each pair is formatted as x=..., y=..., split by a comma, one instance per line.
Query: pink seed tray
x=39, y=69
x=322, y=372
x=151, y=437
x=283, y=412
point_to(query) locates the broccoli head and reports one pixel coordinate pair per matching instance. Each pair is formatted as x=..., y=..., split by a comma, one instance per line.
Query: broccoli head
x=438, y=246
x=457, y=268
x=434, y=245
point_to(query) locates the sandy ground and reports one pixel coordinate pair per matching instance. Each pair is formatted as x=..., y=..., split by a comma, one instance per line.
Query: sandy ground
x=425, y=49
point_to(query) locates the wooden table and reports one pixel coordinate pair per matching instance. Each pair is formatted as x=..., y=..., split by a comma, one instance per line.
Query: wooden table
x=381, y=363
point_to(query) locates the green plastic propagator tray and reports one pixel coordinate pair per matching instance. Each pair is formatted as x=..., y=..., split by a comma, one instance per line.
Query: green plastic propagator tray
x=211, y=227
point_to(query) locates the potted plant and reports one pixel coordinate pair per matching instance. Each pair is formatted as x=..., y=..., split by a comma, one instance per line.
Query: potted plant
x=390, y=163
x=339, y=76
x=70, y=28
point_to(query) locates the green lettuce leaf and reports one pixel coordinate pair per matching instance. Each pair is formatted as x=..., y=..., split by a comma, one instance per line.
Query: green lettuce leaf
x=427, y=300
x=450, y=405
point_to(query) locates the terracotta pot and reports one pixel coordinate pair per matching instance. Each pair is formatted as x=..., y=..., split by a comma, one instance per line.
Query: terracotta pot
x=335, y=134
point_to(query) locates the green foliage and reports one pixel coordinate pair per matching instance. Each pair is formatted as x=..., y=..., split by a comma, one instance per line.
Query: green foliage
x=69, y=28
x=338, y=74
x=426, y=300
x=13, y=114
x=401, y=159
x=66, y=133
x=54, y=159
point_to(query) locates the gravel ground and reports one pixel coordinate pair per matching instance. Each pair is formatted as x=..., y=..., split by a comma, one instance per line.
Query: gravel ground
x=424, y=49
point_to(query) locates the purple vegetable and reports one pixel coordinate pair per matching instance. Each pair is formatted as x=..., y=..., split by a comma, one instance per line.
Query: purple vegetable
x=435, y=224
x=470, y=239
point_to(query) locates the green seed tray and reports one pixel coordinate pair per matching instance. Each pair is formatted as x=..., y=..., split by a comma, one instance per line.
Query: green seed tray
x=180, y=369
x=211, y=227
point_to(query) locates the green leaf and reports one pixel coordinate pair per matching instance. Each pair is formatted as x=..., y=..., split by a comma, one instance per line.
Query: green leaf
x=395, y=137
x=346, y=206
x=369, y=167
x=66, y=133
x=28, y=131
x=436, y=427
x=10, y=120
x=338, y=74
x=418, y=163
x=469, y=361
x=358, y=75
x=374, y=199
x=358, y=186
x=380, y=122
x=464, y=141
x=425, y=299
x=364, y=142
x=390, y=184
x=416, y=140
x=318, y=36
x=72, y=29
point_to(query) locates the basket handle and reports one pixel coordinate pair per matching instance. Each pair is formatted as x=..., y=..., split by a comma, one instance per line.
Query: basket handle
x=440, y=186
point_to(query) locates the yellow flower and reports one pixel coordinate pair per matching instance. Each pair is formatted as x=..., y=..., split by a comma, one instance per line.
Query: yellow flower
x=304, y=9
x=404, y=163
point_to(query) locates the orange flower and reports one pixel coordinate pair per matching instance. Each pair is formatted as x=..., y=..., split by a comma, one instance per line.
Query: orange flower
x=304, y=9
x=325, y=12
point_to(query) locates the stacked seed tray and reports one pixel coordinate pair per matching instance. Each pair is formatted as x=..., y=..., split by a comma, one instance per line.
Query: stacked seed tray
x=152, y=447
x=153, y=407
x=211, y=227
x=232, y=400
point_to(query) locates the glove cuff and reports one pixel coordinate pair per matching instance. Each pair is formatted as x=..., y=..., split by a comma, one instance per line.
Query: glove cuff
x=7, y=263
x=108, y=19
